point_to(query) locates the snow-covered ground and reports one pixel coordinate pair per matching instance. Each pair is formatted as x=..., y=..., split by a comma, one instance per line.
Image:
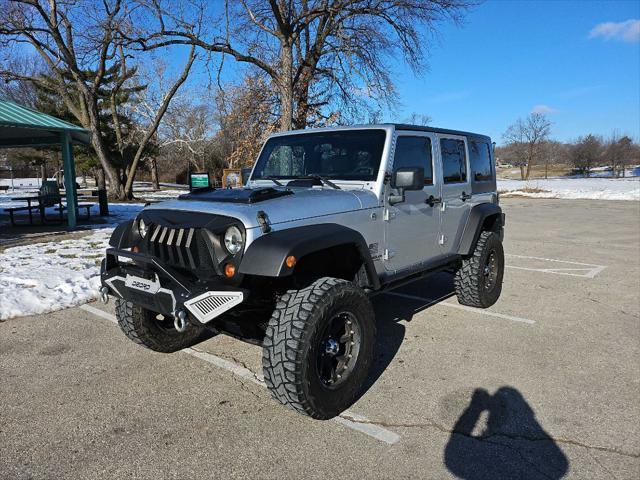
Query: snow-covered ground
x=43, y=277
x=573, y=188
x=49, y=276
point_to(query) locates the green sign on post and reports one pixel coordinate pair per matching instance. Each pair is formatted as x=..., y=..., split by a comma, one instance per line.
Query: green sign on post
x=198, y=180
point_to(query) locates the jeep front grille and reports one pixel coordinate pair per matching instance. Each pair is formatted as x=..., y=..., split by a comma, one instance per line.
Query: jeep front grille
x=180, y=247
x=209, y=305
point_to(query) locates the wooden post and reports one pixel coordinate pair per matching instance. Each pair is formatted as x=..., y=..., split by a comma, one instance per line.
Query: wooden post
x=69, y=179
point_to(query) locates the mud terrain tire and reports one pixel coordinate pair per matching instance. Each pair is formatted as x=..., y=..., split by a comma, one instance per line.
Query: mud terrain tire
x=478, y=281
x=308, y=341
x=141, y=326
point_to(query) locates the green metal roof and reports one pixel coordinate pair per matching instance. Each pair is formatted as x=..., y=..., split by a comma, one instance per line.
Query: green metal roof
x=23, y=127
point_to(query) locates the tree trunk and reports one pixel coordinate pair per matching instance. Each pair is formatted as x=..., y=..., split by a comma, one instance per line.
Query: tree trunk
x=155, y=182
x=286, y=87
x=546, y=168
x=522, y=172
x=116, y=189
x=43, y=171
x=100, y=180
x=529, y=161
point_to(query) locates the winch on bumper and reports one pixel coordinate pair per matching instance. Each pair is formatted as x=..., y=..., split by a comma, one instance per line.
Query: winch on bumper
x=143, y=280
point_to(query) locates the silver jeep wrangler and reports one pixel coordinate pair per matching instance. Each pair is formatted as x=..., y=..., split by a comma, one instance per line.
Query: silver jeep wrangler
x=328, y=218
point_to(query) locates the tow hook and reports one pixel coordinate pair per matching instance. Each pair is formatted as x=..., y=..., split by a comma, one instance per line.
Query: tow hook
x=180, y=321
x=104, y=295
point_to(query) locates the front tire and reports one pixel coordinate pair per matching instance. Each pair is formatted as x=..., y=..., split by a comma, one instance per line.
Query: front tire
x=478, y=281
x=319, y=346
x=143, y=327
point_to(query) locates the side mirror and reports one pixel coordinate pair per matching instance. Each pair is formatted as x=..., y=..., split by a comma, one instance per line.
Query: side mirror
x=406, y=178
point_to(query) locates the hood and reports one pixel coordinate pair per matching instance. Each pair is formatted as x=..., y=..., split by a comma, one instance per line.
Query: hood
x=295, y=204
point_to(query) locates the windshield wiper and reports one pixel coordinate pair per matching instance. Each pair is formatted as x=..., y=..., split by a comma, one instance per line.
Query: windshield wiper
x=327, y=181
x=320, y=178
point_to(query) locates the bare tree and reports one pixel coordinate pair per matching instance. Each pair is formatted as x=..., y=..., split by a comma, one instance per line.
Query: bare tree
x=322, y=56
x=245, y=117
x=188, y=126
x=526, y=137
x=553, y=153
x=23, y=93
x=618, y=151
x=418, y=119
x=80, y=47
x=585, y=153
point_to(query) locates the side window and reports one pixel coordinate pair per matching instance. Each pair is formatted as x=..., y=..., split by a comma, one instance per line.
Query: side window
x=480, y=157
x=454, y=162
x=414, y=152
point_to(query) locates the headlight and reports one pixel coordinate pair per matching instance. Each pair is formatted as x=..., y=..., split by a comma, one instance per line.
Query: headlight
x=233, y=240
x=142, y=228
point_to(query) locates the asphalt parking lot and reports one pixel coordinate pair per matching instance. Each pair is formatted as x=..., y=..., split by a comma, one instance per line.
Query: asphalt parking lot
x=545, y=384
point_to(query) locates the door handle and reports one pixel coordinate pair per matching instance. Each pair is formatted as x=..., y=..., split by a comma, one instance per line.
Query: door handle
x=465, y=196
x=431, y=200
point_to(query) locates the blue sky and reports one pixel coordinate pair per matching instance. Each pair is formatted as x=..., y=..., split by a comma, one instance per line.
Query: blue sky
x=510, y=57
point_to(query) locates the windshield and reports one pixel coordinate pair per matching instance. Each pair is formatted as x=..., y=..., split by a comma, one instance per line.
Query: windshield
x=346, y=155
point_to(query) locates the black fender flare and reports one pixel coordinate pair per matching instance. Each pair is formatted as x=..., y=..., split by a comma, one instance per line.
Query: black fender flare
x=266, y=256
x=123, y=235
x=475, y=221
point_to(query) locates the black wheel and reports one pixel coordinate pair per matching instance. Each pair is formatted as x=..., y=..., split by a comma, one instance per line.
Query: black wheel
x=318, y=347
x=150, y=330
x=478, y=281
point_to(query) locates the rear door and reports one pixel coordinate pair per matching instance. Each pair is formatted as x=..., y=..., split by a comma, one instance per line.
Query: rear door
x=411, y=227
x=456, y=190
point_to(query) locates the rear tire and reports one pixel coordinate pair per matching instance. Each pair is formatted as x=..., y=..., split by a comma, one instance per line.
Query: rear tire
x=141, y=326
x=319, y=346
x=478, y=282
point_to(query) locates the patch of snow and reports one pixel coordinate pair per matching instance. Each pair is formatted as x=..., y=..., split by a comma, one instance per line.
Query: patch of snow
x=574, y=188
x=44, y=277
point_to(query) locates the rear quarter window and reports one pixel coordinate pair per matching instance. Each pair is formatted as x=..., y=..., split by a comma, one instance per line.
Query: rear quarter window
x=480, y=157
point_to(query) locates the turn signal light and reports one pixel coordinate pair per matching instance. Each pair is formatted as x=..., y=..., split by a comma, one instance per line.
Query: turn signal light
x=229, y=270
x=290, y=261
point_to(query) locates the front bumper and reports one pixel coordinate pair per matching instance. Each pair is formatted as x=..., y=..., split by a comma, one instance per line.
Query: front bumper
x=146, y=282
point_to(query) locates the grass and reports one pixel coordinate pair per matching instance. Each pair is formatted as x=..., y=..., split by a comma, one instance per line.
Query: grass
x=537, y=171
x=523, y=190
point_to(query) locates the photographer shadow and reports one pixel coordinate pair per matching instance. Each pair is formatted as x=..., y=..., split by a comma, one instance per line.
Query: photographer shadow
x=513, y=445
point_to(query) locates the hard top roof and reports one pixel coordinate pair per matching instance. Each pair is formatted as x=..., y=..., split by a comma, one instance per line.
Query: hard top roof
x=385, y=126
x=444, y=131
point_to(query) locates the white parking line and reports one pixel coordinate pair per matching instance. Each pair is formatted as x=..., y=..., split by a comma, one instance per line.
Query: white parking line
x=480, y=311
x=360, y=424
x=99, y=313
x=590, y=270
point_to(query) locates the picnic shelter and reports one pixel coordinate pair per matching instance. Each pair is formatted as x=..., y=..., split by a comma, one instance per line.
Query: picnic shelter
x=23, y=127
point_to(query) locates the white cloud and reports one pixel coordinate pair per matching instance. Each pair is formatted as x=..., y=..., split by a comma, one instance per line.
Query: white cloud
x=544, y=109
x=627, y=31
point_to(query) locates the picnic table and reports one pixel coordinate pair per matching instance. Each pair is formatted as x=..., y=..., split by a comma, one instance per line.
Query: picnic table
x=48, y=196
x=29, y=207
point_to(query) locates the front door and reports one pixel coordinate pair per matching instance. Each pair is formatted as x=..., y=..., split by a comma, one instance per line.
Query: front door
x=456, y=190
x=412, y=227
